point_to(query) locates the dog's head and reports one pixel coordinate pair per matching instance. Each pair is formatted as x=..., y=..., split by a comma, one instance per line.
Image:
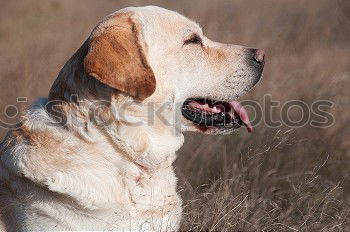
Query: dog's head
x=153, y=55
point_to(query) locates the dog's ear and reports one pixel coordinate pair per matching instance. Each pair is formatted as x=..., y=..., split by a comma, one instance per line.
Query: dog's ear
x=116, y=57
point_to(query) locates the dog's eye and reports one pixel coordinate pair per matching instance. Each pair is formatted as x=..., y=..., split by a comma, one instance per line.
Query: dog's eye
x=194, y=39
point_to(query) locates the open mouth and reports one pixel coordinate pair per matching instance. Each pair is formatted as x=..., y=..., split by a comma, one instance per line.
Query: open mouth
x=206, y=113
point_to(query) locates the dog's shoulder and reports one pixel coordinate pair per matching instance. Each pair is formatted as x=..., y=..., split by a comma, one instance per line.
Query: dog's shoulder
x=32, y=149
x=15, y=151
x=26, y=136
x=60, y=160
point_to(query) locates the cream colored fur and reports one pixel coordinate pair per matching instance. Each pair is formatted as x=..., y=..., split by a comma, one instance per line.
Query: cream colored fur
x=117, y=176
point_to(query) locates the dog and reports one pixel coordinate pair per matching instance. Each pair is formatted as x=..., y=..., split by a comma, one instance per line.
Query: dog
x=97, y=153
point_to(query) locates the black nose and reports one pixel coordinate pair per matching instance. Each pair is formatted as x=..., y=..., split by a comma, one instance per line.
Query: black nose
x=259, y=56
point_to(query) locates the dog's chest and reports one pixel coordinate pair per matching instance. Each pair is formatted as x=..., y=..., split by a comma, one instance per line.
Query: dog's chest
x=154, y=191
x=154, y=203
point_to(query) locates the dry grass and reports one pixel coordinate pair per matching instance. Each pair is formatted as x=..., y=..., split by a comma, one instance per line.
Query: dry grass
x=278, y=179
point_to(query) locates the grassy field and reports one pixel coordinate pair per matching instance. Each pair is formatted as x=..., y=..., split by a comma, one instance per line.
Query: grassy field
x=276, y=179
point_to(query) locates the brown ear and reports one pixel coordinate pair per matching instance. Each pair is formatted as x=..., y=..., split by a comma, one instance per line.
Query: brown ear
x=116, y=58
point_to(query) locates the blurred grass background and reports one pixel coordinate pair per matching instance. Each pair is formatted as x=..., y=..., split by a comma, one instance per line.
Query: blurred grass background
x=281, y=179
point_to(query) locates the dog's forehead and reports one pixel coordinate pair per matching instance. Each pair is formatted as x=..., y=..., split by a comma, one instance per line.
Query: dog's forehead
x=153, y=18
x=155, y=13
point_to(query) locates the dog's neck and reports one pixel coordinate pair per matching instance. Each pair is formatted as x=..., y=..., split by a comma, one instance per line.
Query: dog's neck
x=90, y=109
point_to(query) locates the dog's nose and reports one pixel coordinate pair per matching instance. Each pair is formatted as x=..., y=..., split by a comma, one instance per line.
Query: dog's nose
x=259, y=56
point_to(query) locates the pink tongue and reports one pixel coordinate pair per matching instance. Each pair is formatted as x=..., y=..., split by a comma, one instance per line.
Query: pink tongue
x=239, y=109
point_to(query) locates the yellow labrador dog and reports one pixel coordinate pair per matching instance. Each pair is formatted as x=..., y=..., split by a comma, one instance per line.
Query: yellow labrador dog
x=97, y=153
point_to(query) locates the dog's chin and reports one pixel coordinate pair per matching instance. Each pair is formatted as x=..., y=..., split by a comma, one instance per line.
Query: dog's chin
x=214, y=117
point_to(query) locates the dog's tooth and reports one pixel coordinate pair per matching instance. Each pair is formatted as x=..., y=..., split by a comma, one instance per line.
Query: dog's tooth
x=216, y=110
